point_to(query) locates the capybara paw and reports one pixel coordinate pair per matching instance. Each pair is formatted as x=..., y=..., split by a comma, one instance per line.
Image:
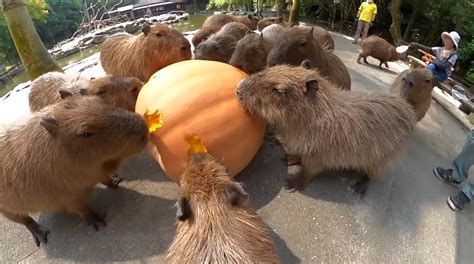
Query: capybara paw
x=95, y=220
x=294, y=185
x=114, y=181
x=293, y=160
x=40, y=235
x=359, y=188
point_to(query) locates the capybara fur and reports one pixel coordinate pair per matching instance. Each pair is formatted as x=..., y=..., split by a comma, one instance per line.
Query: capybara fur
x=330, y=129
x=251, y=53
x=323, y=36
x=141, y=56
x=263, y=23
x=378, y=48
x=203, y=34
x=53, y=160
x=117, y=91
x=44, y=90
x=415, y=86
x=297, y=44
x=219, y=20
x=272, y=33
x=220, y=46
x=215, y=222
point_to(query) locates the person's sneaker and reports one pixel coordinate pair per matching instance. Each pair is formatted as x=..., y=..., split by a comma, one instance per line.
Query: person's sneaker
x=457, y=202
x=445, y=175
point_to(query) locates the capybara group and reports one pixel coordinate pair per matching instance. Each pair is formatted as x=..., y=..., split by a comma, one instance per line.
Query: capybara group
x=215, y=22
x=263, y=23
x=216, y=224
x=220, y=46
x=297, y=44
x=117, y=91
x=251, y=53
x=415, y=86
x=53, y=160
x=330, y=129
x=378, y=48
x=141, y=56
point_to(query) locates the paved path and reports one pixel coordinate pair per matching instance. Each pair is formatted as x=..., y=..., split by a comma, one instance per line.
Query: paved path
x=402, y=219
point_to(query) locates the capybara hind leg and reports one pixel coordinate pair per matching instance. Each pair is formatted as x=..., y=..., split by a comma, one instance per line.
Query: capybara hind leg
x=39, y=233
x=360, y=57
x=360, y=187
x=386, y=64
x=93, y=218
x=80, y=207
x=299, y=181
x=380, y=64
x=365, y=60
x=113, y=182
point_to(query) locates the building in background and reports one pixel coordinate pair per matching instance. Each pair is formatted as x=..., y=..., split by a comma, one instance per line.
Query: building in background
x=142, y=8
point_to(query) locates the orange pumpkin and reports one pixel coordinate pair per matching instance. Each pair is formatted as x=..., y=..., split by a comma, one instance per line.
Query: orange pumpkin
x=198, y=97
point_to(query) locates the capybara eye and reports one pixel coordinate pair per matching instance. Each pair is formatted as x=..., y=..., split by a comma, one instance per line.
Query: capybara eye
x=216, y=48
x=158, y=34
x=410, y=83
x=86, y=135
x=428, y=81
x=100, y=92
x=303, y=44
x=135, y=90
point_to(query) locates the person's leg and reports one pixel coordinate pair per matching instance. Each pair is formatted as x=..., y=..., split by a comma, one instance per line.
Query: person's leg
x=457, y=202
x=439, y=74
x=359, y=29
x=468, y=190
x=365, y=29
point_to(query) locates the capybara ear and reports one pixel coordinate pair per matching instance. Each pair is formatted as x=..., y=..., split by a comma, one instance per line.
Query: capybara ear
x=236, y=195
x=310, y=34
x=183, y=211
x=92, y=78
x=306, y=64
x=280, y=19
x=64, y=94
x=311, y=87
x=250, y=16
x=146, y=29
x=50, y=124
x=249, y=32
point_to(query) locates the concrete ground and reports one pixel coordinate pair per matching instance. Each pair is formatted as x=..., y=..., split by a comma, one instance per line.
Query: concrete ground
x=402, y=219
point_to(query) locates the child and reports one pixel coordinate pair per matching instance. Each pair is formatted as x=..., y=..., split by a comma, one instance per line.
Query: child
x=446, y=56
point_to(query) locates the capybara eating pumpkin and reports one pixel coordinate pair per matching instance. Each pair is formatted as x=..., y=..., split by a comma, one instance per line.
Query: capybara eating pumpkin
x=415, y=86
x=214, y=211
x=378, y=48
x=297, y=44
x=140, y=56
x=52, y=161
x=330, y=129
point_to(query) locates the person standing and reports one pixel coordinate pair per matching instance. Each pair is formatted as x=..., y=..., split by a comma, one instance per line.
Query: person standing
x=365, y=17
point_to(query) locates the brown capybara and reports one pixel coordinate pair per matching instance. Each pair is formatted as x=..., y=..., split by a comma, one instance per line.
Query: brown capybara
x=216, y=224
x=220, y=46
x=272, y=33
x=141, y=56
x=330, y=129
x=203, y=34
x=415, y=86
x=323, y=36
x=251, y=53
x=263, y=23
x=297, y=44
x=52, y=161
x=44, y=90
x=378, y=48
x=117, y=91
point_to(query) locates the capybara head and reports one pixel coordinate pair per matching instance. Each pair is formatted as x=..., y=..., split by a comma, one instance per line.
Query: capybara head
x=294, y=45
x=166, y=45
x=394, y=56
x=205, y=181
x=281, y=93
x=216, y=49
x=249, y=20
x=84, y=124
x=416, y=83
x=250, y=53
x=202, y=34
x=269, y=21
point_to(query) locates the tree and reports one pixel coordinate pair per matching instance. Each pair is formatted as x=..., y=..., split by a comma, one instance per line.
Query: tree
x=31, y=49
x=395, y=27
x=294, y=13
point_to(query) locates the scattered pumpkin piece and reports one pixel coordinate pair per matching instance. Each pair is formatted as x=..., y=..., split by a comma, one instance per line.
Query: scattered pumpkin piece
x=154, y=121
x=195, y=145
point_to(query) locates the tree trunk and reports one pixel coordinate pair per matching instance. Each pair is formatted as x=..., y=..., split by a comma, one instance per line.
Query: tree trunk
x=395, y=30
x=31, y=49
x=294, y=13
x=414, y=16
x=195, y=5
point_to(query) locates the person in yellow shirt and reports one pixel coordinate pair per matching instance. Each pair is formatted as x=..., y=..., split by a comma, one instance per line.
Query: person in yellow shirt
x=366, y=16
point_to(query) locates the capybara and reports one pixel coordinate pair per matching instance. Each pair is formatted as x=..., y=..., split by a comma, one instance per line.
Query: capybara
x=297, y=44
x=53, y=160
x=44, y=90
x=214, y=23
x=263, y=23
x=220, y=46
x=216, y=224
x=141, y=56
x=251, y=53
x=330, y=129
x=117, y=91
x=415, y=86
x=378, y=48
x=272, y=33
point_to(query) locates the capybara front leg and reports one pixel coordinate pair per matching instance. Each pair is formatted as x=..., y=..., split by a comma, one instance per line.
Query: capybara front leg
x=360, y=187
x=291, y=159
x=296, y=183
x=358, y=58
x=93, y=218
x=386, y=64
x=39, y=233
x=113, y=182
